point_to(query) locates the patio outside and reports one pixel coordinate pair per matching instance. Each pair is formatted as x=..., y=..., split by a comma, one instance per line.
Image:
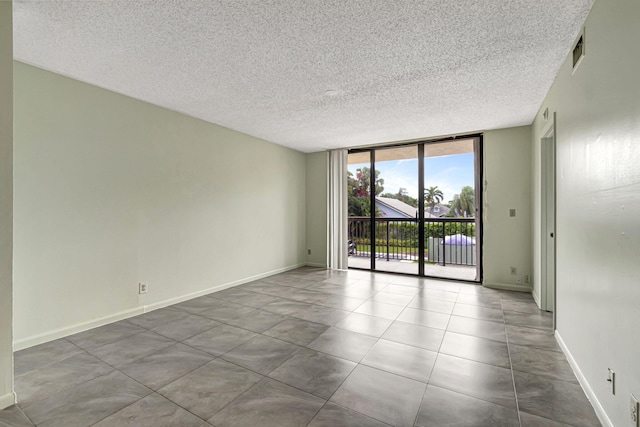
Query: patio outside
x=451, y=271
x=449, y=246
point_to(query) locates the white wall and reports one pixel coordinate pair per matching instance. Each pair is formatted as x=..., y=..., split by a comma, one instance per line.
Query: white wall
x=317, y=197
x=507, y=185
x=111, y=191
x=598, y=205
x=6, y=200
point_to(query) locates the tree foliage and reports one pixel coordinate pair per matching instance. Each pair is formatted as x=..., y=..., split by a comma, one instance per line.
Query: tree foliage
x=433, y=196
x=403, y=196
x=463, y=204
x=358, y=189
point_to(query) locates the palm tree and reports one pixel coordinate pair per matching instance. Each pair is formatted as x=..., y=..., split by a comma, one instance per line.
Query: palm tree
x=464, y=204
x=433, y=196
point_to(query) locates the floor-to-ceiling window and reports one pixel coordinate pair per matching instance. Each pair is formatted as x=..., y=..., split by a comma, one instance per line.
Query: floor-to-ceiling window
x=415, y=208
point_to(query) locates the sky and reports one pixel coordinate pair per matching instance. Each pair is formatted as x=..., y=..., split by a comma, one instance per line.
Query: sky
x=448, y=173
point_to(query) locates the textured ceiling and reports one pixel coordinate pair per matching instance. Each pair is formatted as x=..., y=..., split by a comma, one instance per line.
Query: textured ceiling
x=313, y=74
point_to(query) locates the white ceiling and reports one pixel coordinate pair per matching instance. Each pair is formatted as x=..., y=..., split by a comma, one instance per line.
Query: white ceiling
x=313, y=74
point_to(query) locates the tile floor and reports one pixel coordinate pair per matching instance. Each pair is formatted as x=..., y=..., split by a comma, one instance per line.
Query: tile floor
x=314, y=348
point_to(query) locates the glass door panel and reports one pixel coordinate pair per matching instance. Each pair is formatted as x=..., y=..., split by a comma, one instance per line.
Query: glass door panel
x=359, y=210
x=396, y=209
x=451, y=241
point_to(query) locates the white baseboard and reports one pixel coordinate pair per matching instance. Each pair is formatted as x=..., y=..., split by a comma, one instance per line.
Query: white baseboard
x=217, y=288
x=7, y=400
x=508, y=287
x=600, y=412
x=44, y=337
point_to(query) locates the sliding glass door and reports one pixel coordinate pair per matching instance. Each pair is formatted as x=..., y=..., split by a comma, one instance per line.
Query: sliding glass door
x=415, y=208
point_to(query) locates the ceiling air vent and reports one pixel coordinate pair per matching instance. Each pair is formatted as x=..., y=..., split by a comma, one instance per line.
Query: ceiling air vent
x=578, y=50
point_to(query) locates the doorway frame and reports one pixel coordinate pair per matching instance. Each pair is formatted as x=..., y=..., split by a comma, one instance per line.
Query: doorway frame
x=548, y=233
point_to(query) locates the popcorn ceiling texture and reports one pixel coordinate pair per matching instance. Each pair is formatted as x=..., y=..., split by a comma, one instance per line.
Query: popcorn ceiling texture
x=313, y=74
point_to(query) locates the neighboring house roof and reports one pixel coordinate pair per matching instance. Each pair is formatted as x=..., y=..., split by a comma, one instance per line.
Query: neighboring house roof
x=438, y=211
x=404, y=210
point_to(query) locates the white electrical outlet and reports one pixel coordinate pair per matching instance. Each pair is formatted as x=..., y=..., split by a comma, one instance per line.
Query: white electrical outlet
x=143, y=287
x=519, y=280
x=526, y=278
x=635, y=411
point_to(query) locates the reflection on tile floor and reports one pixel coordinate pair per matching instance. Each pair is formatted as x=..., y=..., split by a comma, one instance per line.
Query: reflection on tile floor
x=311, y=347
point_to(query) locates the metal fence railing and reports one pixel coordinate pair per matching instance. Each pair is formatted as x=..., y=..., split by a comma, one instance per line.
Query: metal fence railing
x=447, y=240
